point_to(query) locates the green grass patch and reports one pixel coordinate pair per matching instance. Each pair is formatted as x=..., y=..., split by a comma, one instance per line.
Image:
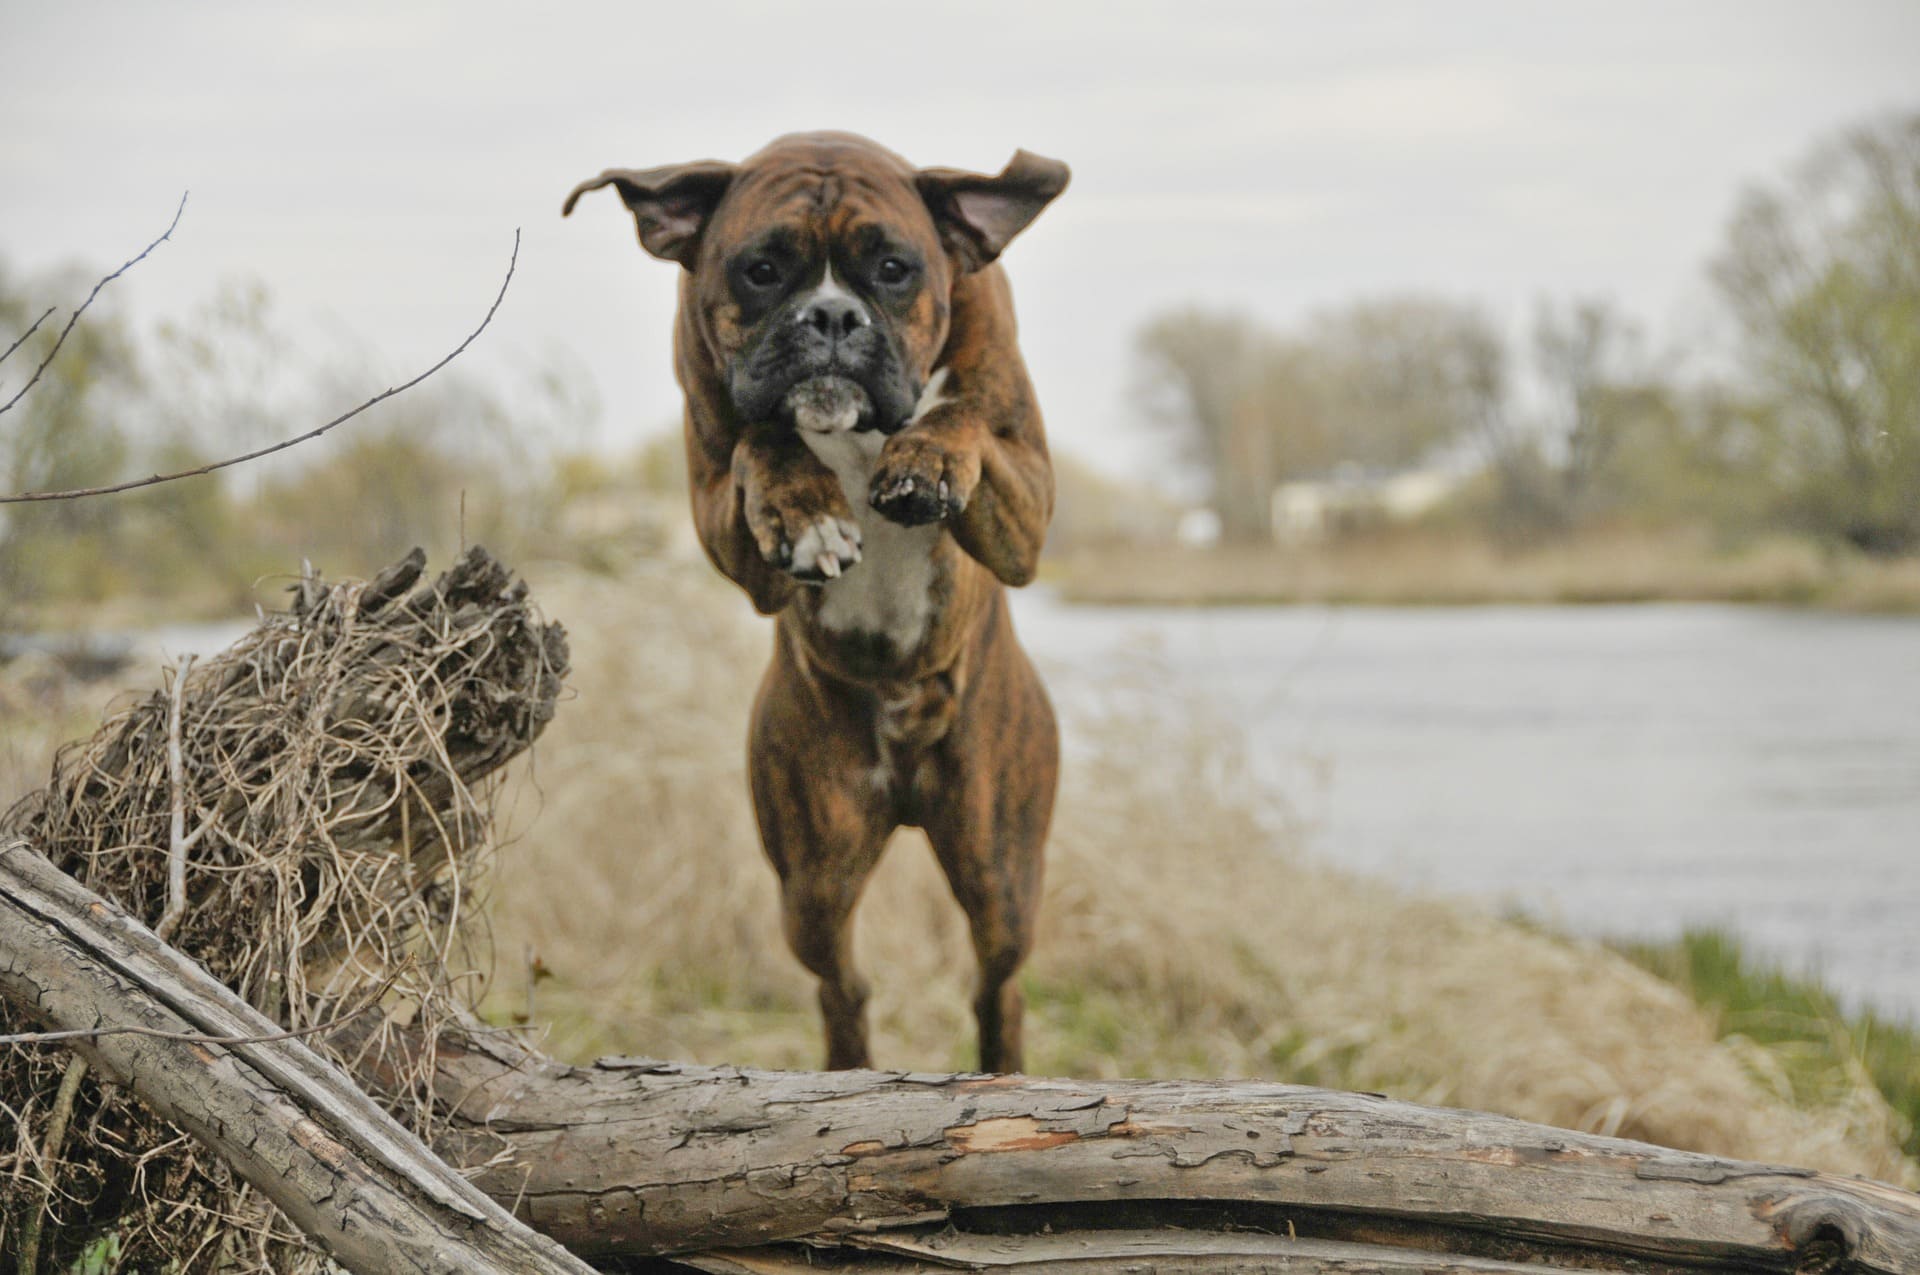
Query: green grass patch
x=1823, y=1049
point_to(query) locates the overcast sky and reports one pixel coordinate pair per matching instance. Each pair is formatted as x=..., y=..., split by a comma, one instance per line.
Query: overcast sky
x=369, y=162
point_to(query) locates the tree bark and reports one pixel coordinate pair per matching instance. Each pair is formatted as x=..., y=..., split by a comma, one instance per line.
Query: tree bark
x=634, y=1156
x=288, y=1121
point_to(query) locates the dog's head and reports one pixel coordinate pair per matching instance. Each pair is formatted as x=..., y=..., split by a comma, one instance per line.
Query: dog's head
x=823, y=267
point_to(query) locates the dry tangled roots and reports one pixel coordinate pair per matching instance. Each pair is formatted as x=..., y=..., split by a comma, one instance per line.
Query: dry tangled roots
x=335, y=810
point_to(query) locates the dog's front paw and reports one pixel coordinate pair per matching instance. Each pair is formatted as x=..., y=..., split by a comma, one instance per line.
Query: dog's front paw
x=917, y=480
x=805, y=529
x=823, y=549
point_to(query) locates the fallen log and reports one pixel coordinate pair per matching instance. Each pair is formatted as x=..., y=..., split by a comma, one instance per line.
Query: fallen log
x=638, y=1156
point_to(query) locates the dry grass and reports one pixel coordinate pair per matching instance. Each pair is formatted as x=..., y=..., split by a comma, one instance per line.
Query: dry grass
x=41, y=708
x=1179, y=936
x=1448, y=567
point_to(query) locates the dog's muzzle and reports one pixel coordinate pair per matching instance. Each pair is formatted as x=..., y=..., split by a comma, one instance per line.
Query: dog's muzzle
x=830, y=405
x=826, y=364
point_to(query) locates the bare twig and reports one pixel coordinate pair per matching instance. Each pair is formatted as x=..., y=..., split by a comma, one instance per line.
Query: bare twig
x=177, y=839
x=383, y=396
x=22, y=340
x=75, y=316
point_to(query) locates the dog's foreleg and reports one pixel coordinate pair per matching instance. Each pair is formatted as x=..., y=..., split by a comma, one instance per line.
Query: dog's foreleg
x=974, y=456
x=770, y=515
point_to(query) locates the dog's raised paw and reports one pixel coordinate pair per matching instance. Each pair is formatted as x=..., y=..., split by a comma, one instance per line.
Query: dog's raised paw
x=822, y=550
x=914, y=500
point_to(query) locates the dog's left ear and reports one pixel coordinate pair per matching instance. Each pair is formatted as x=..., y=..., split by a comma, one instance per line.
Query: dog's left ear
x=670, y=205
x=978, y=216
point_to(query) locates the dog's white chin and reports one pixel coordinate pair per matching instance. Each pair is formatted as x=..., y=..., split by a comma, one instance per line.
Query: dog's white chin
x=827, y=404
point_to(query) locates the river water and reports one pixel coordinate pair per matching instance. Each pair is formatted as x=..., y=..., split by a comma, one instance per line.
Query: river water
x=1617, y=771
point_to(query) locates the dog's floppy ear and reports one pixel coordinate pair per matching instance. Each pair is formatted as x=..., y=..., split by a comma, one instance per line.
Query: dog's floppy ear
x=670, y=205
x=978, y=216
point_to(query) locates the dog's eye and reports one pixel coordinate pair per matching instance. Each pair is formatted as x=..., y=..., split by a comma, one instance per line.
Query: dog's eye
x=763, y=274
x=892, y=270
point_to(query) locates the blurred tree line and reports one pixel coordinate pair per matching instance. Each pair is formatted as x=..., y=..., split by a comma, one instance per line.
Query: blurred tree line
x=1813, y=425
x=452, y=461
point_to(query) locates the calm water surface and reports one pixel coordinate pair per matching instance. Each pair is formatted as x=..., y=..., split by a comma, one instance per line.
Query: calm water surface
x=1616, y=770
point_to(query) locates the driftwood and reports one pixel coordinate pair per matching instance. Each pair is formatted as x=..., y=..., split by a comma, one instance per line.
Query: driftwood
x=732, y=1171
x=631, y=1156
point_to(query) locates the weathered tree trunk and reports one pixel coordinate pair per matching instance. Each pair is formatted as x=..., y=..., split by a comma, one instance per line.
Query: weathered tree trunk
x=633, y=1156
x=287, y=1120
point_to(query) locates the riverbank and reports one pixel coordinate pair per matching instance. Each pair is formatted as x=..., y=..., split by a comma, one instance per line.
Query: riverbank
x=1182, y=935
x=1811, y=1042
x=1458, y=568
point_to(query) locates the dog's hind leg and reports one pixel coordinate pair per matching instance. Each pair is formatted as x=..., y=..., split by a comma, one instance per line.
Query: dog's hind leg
x=816, y=910
x=989, y=830
x=824, y=849
x=823, y=827
x=824, y=859
x=989, y=844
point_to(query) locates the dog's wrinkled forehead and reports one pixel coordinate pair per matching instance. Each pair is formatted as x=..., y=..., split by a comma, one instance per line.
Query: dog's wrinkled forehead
x=823, y=193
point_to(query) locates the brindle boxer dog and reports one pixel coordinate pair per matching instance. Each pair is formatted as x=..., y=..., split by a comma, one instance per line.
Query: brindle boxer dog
x=868, y=463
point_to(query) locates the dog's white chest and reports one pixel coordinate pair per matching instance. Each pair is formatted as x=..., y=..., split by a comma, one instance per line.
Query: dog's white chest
x=889, y=592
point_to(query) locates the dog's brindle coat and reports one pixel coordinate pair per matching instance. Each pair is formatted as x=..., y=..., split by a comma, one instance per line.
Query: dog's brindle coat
x=868, y=463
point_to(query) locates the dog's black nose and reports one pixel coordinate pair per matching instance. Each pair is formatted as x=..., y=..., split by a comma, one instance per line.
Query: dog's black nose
x=834, y=317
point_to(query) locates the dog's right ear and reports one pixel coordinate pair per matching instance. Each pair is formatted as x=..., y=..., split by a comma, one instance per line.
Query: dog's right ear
x=978, y=215
x=670, y=205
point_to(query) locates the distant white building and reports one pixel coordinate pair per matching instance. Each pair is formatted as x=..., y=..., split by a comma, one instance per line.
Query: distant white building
x=1309, y=510
x=1198, y=529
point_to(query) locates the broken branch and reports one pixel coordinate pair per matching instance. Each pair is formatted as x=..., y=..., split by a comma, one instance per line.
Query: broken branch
x=74, y=318
x=198, y=470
